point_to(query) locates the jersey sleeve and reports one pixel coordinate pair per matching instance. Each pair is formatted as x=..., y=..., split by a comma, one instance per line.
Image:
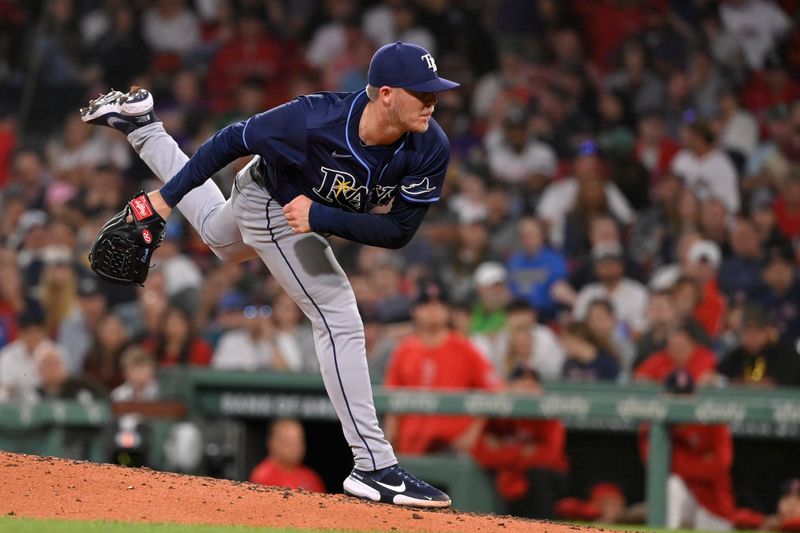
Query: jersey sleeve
x=388, y=230
x=423, y=183
x=279, y=135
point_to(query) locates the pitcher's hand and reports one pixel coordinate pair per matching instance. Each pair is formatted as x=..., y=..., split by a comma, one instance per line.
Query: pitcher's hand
x=296, y=213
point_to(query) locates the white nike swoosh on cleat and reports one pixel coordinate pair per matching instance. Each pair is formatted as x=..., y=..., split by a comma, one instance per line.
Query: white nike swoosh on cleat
x=337, y=154
x=397, y=488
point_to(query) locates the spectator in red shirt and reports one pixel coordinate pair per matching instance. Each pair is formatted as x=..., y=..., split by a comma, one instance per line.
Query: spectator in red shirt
x=251, y=54
x=527, y=456
x=787, y=208
x=607, y=24
x=700, y=489
x=8, y=142
x=704, y=258
x=12, y=300
x=436, y=358
x=653, y=148
x=771, y=87
x=283, y=466
x=682, y=352
x=177, y=343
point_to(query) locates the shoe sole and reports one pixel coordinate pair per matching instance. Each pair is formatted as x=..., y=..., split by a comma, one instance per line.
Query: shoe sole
x=356, y=488
x=128, y=109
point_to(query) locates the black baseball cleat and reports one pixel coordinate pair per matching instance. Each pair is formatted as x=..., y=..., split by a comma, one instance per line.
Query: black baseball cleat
x=394, y=485
x=122, y=111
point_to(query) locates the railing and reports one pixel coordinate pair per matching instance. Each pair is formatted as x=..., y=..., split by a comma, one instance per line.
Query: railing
x=767, y=413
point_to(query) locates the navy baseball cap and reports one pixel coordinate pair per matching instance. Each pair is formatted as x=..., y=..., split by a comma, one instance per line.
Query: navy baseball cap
x=407, y=66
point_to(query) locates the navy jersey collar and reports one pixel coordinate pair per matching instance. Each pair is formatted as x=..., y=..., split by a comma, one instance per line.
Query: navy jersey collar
x=353, y=140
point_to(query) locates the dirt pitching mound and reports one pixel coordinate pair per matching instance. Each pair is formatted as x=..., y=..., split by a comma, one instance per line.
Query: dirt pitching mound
x=45, y=487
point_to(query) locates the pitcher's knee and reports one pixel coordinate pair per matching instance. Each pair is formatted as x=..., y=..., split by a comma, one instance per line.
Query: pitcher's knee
x=232, y=253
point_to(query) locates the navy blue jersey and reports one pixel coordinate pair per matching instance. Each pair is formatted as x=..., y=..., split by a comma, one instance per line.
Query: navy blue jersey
x=310, y=146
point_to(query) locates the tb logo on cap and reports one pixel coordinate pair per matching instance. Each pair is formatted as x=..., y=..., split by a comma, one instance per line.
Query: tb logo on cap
x=429, y=59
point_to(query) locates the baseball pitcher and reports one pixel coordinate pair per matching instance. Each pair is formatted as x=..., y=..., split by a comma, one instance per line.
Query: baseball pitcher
x=323, y=161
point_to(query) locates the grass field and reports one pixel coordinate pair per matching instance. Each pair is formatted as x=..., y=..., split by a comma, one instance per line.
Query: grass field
x=29, y=525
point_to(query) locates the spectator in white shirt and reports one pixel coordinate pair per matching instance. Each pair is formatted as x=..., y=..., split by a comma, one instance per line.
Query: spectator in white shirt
x=295, y=338
x=628, y=297
x=757, y=25
x=254, y=346
x=330, y=39
x=738, y=128
x=19, y=373
x=515, y=157
x=140, y=383
x=707, y=170
x=524, y=342
x=181, y=274
x=170, y=27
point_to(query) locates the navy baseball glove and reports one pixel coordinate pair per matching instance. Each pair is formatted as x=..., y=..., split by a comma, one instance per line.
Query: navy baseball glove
x=122, y=250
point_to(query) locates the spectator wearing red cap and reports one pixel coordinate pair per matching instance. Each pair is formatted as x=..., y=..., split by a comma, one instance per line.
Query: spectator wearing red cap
x=527, y=455
x=700, y=488
x=435, y=358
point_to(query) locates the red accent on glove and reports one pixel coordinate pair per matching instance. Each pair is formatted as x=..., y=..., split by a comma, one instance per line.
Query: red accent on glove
x=141, y=207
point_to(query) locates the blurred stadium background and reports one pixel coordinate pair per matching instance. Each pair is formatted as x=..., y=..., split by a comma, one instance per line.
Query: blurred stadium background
x=623, y=202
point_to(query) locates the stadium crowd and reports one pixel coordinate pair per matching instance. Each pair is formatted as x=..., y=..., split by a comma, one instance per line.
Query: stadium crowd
x=623, y=200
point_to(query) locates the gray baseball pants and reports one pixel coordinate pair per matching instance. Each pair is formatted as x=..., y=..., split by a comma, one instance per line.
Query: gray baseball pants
x=252, y=224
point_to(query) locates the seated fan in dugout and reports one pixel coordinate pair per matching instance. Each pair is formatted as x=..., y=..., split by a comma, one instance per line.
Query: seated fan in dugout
x=122, y=251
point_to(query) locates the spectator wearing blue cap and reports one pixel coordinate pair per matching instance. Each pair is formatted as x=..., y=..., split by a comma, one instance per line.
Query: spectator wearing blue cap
x=561, y=197
x=254, y=345
x=228, y=316
x=76, y=330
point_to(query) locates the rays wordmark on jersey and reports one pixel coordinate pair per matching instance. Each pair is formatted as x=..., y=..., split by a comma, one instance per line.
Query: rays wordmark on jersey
x=340, y=188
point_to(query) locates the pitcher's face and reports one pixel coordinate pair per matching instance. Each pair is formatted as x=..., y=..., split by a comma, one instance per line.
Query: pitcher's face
x=412, y=110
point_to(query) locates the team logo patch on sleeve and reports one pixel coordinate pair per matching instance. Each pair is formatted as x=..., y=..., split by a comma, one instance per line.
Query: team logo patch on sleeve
x=418, y=188
x=141, y=208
